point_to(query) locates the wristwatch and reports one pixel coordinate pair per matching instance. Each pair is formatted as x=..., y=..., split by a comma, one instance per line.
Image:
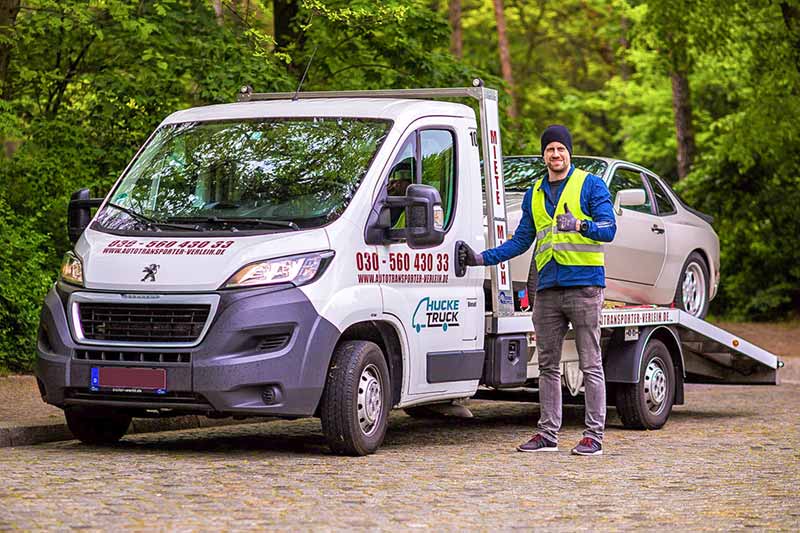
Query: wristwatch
x=584, y=226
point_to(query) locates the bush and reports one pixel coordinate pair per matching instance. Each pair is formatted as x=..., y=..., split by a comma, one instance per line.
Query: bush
x=25, y=275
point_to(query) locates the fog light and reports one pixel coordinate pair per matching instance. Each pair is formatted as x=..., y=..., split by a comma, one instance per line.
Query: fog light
x=270, y=395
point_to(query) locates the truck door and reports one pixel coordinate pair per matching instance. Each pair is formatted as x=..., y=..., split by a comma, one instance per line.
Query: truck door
x=442, y=314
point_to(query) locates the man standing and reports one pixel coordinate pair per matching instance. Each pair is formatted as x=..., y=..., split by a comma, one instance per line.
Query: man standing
x=569, y=215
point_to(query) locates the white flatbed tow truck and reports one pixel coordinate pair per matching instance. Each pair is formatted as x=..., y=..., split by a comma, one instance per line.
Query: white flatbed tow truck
x=261, y=259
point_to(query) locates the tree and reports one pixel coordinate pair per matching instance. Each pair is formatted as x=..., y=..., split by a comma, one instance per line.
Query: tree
x=9, y=9
x=456, y=39
x=505, y=56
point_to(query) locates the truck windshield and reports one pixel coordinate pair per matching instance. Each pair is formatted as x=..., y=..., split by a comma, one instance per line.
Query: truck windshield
x=257, y=175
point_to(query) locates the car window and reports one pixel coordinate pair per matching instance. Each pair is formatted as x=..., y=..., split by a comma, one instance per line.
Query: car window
x=663, y=201
x=519, y=173
x=438, y=166
x=630, y=179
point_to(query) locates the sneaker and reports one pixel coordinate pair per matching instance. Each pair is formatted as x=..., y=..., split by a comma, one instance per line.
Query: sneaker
x=588, y=446
x=538, y=444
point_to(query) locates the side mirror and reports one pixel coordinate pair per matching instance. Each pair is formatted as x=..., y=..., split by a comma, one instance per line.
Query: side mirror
x=629, y=198
x=424, y=217
x=79, y=213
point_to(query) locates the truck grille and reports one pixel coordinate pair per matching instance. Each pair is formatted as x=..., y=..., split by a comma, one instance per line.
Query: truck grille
x=142, y=322
x=133, y=357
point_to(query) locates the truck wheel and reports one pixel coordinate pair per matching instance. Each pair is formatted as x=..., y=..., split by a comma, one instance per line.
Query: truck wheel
x=357, y=397
x=648, y=404
x=692, y=291
x=96, y=426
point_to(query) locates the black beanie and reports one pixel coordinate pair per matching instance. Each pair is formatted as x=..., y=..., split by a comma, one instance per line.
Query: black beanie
x=559, y=133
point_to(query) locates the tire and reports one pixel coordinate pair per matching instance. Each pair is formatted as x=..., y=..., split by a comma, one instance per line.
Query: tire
x=648, y=404
x=97, y=426
x=357, y=398
x=692, y=291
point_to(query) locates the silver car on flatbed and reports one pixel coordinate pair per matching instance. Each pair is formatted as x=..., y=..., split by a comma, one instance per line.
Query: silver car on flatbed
x=664, y=251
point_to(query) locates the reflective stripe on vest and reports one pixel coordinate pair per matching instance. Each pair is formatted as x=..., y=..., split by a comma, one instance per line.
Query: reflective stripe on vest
x=568, y=248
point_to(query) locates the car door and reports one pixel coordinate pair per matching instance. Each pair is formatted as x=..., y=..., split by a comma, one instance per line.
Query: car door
x=636, y=255
x=443, y=314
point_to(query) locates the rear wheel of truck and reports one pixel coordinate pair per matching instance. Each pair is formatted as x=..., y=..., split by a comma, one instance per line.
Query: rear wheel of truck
x=648, y=404
x=357, y=398
x=95, y=425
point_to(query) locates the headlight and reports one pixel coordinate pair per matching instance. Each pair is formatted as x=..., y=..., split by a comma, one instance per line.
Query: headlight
x=296, y=269
x=72, y=269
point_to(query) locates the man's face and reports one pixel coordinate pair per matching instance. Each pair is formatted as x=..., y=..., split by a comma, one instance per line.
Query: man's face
x=556, y=157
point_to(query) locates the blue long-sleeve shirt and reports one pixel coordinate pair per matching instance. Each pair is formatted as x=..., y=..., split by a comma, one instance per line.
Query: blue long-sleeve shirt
x=595, y=202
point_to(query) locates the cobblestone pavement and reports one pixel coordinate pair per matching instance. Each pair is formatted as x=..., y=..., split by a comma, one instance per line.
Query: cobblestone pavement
x=729, y=459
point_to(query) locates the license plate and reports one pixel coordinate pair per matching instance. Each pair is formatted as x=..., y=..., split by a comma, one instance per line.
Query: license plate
x=126, y=379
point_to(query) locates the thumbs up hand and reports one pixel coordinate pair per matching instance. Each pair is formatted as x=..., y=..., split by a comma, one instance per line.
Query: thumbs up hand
x=567, y=221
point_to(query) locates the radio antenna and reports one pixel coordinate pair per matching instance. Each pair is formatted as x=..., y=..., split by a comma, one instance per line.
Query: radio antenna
x=303, y=79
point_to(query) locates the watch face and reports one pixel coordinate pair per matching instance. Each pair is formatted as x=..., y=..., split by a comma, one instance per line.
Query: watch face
x=584, y=225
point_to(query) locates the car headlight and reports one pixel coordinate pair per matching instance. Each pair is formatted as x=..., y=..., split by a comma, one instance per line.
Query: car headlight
x=296, y=269
x=72, y=269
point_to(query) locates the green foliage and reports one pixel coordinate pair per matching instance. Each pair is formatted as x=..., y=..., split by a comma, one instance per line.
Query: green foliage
x=24, y=279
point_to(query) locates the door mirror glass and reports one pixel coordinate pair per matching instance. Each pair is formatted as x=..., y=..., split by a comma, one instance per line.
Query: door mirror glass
x=424, y=217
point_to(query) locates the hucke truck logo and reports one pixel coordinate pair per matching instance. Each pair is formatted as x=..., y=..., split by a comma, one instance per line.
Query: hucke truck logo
x=435, y=314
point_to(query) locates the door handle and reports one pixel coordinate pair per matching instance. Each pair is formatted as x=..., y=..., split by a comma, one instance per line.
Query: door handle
x=459, y=267
x=656, y=229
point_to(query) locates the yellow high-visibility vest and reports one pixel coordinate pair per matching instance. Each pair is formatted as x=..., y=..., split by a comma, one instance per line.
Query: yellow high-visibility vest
x=568, y=248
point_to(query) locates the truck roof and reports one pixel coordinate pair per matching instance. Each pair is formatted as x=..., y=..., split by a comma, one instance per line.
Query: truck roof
x=378, y=108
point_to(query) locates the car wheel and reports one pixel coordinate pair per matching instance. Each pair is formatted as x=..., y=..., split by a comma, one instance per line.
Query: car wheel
x=96, y=426
x=648, y=404
x=692, y=291
x=357, y=398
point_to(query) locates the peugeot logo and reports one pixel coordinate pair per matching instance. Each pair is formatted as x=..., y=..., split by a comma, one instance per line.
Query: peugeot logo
x=150, y=272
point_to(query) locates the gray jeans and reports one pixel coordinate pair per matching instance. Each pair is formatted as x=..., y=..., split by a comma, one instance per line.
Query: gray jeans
x=553, y=310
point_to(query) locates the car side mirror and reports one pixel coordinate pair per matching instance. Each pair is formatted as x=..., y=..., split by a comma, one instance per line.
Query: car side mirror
x=79, y=213
x=629, y=198
x=424, y=216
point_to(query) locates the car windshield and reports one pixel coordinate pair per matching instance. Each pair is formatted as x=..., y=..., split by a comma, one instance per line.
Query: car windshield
x=521, y=172
x=275, y=175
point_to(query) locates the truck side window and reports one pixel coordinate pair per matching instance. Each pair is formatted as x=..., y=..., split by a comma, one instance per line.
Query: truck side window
x=403, y=174
x=630, y=179
x=438, y=166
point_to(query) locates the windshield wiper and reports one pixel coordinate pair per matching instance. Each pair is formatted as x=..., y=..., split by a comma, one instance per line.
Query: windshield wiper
x=241, y=220
x=152, y=223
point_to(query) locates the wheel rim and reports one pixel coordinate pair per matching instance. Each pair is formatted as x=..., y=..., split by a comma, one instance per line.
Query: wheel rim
x=370, y=399
x=694, y=289
x=655, y=386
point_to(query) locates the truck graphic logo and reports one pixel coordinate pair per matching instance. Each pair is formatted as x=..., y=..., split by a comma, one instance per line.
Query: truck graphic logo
x=438, y=313
x=150, y=272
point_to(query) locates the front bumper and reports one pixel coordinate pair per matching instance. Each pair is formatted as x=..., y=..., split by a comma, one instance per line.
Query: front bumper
x=266, y=352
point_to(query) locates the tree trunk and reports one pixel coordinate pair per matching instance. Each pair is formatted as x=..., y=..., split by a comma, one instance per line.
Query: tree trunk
x=625, y=67
x=791, y=17
x=286, y=31
x=456, y=40
x=218, y=12
x=8, y=17
x=684, y=130
x=505, y=55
